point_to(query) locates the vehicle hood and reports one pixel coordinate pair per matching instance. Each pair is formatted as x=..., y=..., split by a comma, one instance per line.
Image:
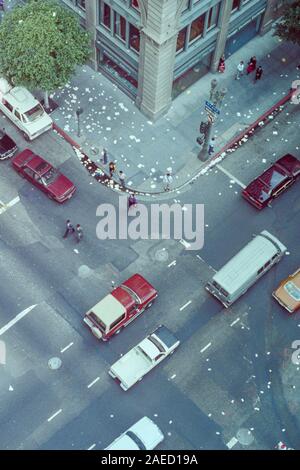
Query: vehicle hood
x=148, y=432
x=290, y=163
x=61, y=185
x=6, y=143
x=143, y=289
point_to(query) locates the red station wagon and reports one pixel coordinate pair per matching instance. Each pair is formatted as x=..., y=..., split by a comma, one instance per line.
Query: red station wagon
x=120, y=307
x=43, y=175
x=261, y=191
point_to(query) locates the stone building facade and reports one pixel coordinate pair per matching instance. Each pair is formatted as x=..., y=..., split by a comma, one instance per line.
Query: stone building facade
x=155, y=49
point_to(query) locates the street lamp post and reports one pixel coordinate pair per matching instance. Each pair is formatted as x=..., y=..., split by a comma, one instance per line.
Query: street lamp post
x=79, y=111
x=216, y=97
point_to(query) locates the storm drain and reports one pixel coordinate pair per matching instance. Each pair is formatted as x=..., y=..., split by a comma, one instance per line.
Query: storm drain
x=54, y=363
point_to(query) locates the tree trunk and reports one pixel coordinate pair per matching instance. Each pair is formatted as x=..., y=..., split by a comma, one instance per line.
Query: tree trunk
x=46, y=100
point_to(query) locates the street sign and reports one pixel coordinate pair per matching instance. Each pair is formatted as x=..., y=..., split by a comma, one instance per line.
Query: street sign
x=211, y=107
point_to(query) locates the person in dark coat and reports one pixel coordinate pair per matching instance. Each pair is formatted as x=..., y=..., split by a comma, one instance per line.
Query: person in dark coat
x=258, y=74
x=69, y=229
x=132, y=201
x=251, y=65
x=112, y=168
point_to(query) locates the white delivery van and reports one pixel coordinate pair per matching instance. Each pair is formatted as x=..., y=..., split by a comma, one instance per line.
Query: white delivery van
x=245, y=268
x=23, y=110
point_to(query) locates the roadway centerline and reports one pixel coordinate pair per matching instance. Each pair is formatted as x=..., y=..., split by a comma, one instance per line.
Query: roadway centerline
x=67, y=347
x=235, y=321
x=185, y=305
x=54, y=415
x=16, y=319
x=4, y=206
x=205, y=347
x=93, y=383
x=233, y=178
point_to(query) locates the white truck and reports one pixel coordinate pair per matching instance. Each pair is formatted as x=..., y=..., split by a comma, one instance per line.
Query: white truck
x=132, y=367
x=24, y=110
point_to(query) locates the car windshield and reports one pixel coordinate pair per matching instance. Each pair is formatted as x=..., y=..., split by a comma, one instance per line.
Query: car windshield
x=132, y=294
x=156, y=343
x=293, y=290
x=96, y=320
x=34, y=113
x=49, y=177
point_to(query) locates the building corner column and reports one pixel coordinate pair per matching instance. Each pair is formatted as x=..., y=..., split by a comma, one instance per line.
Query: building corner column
x=91, y=24
x=223, y=26
x=272, y=12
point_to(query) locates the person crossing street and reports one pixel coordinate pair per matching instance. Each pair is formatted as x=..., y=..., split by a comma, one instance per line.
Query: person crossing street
x=69, y=229
x=78, y=233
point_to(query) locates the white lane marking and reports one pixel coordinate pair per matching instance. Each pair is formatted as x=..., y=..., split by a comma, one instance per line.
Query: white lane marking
x=185, y=243
x=205, y=347
x=172, y=264
x=16, y=319
x=242, y=185
x=67, y=347
x=235, y=321
x=232, y=443
x=53, y=416
x=93, y=383
x=185, y=305
x=92, y=447
x=13, y=202
x=173, y=376
x=4, y=207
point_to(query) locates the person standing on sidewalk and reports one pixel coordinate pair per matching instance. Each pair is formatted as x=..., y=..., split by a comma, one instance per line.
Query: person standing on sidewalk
x=251, y=65
x=132, y=201
x=69, y=229
x=211, y=146
x=122, y=177
x=104, y=157
x=221, y=66
x=258, y=74
x=240, y=70
x=112, y=168
x=78, y=233
x=168, y=180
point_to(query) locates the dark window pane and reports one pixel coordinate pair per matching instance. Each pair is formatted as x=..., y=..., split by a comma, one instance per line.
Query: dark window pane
x=197, y=27
x=134, y=38
x=181, y=39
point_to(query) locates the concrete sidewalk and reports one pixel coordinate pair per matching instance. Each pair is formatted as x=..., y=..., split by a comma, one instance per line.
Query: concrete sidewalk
x=146, y=150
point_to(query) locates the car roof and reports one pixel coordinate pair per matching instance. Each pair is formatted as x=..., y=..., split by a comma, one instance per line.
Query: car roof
x=108, y=309
x=21, y=98
x=245, y=264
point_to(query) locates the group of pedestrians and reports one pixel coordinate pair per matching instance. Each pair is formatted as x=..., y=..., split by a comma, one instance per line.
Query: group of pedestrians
x=77, y=231
x=240, y=70
x=251, y=67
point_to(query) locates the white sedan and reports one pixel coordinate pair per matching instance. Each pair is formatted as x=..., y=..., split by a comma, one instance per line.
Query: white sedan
x=143, y=435
x=132, y=367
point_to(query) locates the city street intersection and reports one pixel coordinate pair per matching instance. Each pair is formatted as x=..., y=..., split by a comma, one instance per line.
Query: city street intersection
x=231, y=383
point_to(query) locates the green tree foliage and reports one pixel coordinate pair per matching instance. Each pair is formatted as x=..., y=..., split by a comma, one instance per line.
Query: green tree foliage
x=41, y=45
x=288, y=28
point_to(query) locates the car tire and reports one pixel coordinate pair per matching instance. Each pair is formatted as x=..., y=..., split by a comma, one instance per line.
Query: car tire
x=26, y=137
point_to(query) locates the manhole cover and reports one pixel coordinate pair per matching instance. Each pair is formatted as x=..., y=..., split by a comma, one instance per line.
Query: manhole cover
x=84, y=271
x=244, y=436
x=162, y=255
x=54, y=363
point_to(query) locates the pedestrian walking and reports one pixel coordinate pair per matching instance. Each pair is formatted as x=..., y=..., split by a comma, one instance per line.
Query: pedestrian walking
x=78, y=233
x=258, y=74
x=211, y=146
x=251, y=65
x=69, y=229
x=168, y=180
x=132, y=201
x=122, y=177
x=221, y=66
x=240, y=70
x=104, y=157
x=112, y=168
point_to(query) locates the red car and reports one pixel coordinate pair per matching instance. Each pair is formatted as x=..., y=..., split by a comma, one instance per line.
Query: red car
x=273, y=181
x=120, y=307
x=43, y=175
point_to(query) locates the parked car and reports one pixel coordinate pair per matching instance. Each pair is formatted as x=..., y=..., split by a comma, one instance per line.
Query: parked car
x=120, y=307
x=132, y=367
x=143, y=435
x=24, y=110
x=43, y=175
x=276, y=179
x=8, y=146
x=288, y=292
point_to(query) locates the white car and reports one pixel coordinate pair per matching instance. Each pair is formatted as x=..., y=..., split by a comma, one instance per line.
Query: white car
x=143, y=435
x=132, y=367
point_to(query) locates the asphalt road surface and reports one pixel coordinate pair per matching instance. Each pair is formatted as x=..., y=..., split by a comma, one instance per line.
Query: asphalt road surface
x=224, y=378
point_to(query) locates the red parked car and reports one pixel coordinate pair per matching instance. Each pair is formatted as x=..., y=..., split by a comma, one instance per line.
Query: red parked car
x=43, y=175
x=266, y=187
x=120, y=307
